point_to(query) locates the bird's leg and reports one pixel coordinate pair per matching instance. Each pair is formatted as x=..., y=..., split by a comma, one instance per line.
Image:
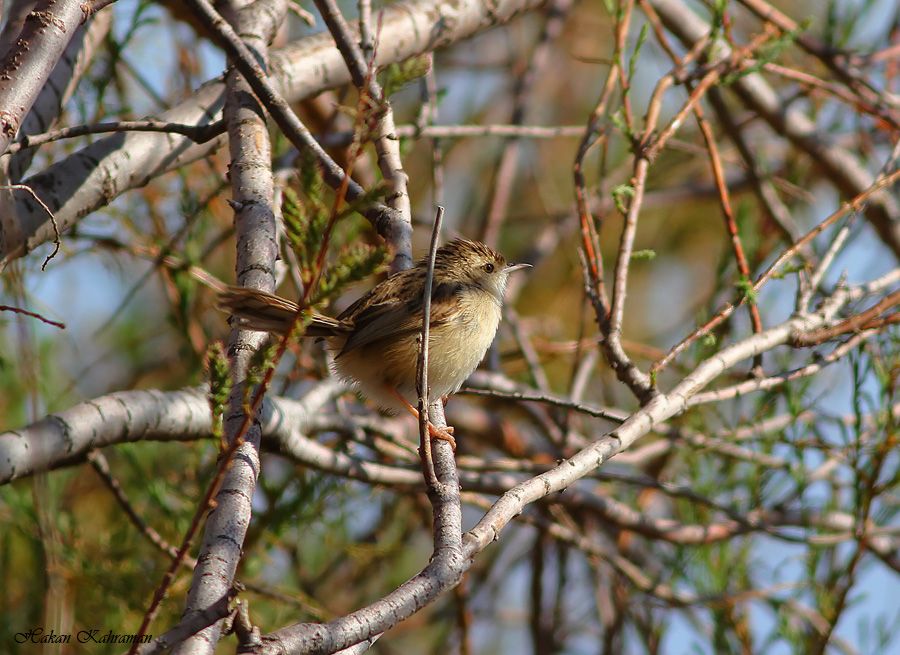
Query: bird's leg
x=444, y=434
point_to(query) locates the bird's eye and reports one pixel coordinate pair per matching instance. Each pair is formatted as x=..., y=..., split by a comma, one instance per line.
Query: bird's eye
x=488, y=268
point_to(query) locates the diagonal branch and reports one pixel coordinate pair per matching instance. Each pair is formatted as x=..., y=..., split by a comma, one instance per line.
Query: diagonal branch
x=47, y=30
x=387, y=145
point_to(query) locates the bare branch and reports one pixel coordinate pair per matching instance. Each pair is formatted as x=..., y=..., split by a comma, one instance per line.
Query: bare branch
x=196, y=133
x=252, y=193
x=422, y=363
x=47, y=30
x=60, y=86
x=25, y=312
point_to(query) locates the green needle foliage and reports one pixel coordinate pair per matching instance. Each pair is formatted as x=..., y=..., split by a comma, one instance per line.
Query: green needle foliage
x=219, y=385
x=306, y=218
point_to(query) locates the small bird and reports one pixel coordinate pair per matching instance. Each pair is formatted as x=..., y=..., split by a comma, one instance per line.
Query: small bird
x=375, y=340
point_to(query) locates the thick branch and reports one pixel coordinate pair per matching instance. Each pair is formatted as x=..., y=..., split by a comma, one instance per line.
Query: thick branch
x=61, y=85
x=252, y=192
x=47, y=31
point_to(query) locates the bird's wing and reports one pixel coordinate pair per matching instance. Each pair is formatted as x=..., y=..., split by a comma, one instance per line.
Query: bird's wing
x=385, y=293
x=325, y=326
x=395, y=320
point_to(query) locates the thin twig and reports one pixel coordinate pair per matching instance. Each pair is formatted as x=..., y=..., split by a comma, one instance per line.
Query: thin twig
x=37, y=199
x=727, y=214
x=423, y=130
x=770, y=382
x=762, y=186
x=159, y=260
x=429, y=114
x=836, y=61
x=581, y=408
x=19, y=310
x=865, y=320
x=592, y=133
x=196, y=133
x=101, y=467
x=422, y=364
x=502, y=186
x=837, y=164
x=401, y=248
x=838, y=240
x=526, y=348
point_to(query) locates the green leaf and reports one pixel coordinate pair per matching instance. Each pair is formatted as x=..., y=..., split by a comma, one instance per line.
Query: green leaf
x=746, y=290
x=219, y=373
x=395, y=76
x=632, y=64
x=619, y=194
x=354, y=263
x=646, y=255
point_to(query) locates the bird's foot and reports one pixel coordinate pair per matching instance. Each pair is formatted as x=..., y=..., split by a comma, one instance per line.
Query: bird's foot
x=442, y=434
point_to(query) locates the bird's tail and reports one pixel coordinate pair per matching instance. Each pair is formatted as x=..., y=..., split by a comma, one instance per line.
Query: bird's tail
x=266, y=312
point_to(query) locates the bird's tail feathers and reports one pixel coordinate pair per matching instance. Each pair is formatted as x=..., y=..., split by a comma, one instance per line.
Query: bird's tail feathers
x=266, y=312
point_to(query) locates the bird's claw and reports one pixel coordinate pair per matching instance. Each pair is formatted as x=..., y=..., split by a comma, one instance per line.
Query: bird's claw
x=443, y=434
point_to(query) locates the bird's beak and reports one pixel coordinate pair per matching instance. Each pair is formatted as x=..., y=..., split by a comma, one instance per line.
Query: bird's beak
x=515, y=267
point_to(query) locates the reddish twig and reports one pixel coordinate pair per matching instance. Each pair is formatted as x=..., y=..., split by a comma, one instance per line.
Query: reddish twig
x=648, y=146
x=812, y=82
x=25, y=312
x=763, y=188
x=724, y=201
x=836, y=61
x=738, y=60
x=365, y=88
x=594, y=133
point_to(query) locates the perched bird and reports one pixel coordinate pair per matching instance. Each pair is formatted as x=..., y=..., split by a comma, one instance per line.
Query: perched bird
x=375, y=340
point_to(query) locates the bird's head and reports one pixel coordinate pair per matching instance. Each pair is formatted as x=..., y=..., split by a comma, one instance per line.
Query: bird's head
x=470, y=263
